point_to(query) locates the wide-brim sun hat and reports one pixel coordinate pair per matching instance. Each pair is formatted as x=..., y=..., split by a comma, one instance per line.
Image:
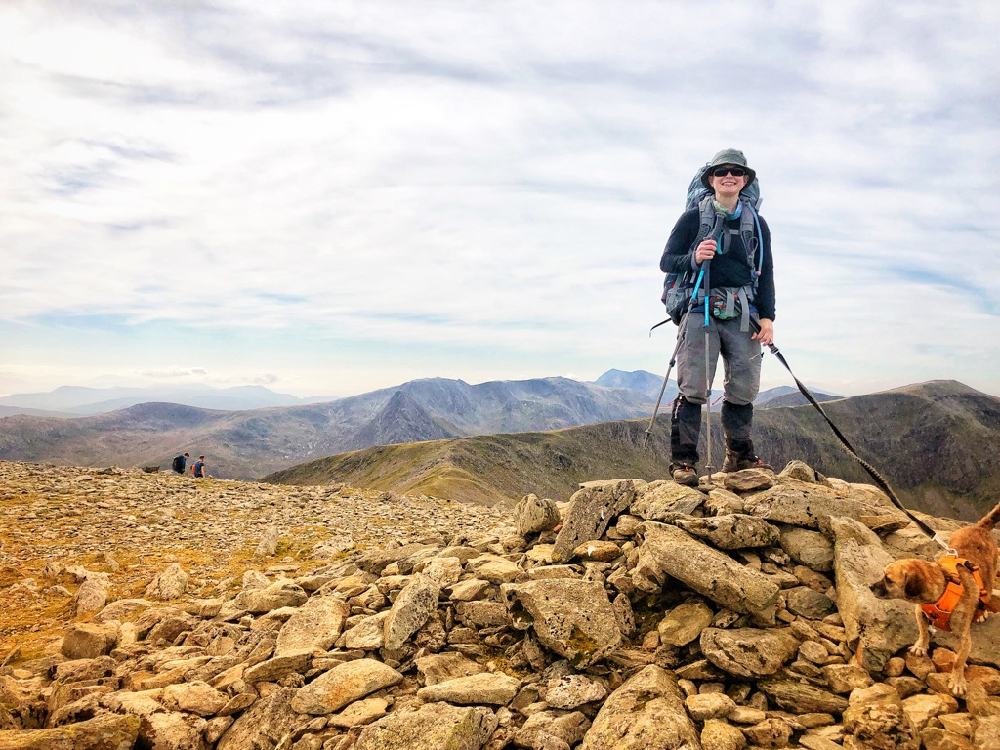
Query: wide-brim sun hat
x=728, y=156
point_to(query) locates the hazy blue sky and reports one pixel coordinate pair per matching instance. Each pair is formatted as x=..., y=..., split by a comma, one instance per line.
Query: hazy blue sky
x=332, y=197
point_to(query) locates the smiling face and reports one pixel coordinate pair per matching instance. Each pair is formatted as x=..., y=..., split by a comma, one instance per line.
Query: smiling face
x=727, y=185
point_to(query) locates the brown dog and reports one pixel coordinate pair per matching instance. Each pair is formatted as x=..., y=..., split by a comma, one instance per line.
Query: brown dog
x=924, y=582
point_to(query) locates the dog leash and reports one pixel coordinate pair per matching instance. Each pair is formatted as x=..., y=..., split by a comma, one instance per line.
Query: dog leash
x=846, y=445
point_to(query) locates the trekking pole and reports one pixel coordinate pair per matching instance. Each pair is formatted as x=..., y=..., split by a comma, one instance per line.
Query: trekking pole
x=846, y=444
x=708, y=379
x=666, y=378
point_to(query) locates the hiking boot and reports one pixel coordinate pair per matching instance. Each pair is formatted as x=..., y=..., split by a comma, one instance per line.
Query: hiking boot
x=684, y=474
x=732, y=460
x=736, y=462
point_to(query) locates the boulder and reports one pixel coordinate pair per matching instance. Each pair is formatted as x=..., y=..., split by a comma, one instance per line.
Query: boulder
x=548, y=728
x=279, y=666
x=91, y=596
x=368, y=634
x=591, y=509
x=876, y=719
x=807, y=547
x=315, y=626
x=669, y=551
x=359, y=713
x=748, y=652
x=574, y=690
x=263, y=724
x=436, y=668
x=431, y=727
x=533, y=515
x=684, y=623
x=281, y=593
x=805, y=504
x=664, y=500
x=194, y=697
x=718, y=735
x=880, y=628
x=335, y=545
x=446, y=571
x=801, y=698
x=598, y=550
x=268, y=543
x=749, y=480
x=89, y=640
x=803, y=601
x=646, y=711
x=107, y=732
x=168, y=584
x=177, y=731
x=572, y=617
x=344, y=684
x=734, y=531
x=485, y=687
x=411, y=610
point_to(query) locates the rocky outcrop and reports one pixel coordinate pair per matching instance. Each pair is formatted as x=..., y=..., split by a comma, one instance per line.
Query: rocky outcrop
x=669, y=620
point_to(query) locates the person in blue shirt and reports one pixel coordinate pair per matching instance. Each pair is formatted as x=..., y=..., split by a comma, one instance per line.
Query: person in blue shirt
x=198, y=470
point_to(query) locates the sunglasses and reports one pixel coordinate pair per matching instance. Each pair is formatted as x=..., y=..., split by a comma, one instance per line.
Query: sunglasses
x=734, y=171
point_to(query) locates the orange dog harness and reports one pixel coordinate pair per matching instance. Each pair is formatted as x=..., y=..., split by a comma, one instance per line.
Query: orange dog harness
x=940, y=613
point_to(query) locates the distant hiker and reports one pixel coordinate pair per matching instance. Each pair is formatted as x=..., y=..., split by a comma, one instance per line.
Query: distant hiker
x=741, y=285
x=198, y=470
x=180, y=463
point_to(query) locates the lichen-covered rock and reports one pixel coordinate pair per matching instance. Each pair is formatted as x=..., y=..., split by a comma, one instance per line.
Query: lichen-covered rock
x=411, y=610
x=89, y=640
x=647, y=711
x=799, y=697
x=342, y=685
x=263, y=724
x=533, y=515
x=315, y=626
x=433, y=726
x=733, y=531
x=880, y=628
x=748, y=652
x=805, y=504
x=592, y=509
x=91, y=596
x=281, y=593
x=168, y=584
x=486, y=688
x=107, y=732
x=574, y=690
x=684, y=623
x=807, y=547
x=572, y=617
x=669, y=551
x=661, y=501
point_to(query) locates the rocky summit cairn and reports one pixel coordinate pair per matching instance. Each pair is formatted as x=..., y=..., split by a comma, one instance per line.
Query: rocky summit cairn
x=637, y=615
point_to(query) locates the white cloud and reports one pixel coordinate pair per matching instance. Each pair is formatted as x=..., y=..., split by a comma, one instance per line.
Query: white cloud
x=495, y=183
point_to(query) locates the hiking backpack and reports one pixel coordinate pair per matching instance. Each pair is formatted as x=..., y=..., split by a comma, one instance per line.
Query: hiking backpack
x=678, y=287
x=177, y=465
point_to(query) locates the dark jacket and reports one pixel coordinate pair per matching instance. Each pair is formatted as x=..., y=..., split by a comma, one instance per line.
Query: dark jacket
x=729, y=269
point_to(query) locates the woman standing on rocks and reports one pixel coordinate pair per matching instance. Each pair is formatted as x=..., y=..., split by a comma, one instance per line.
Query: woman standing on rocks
x=734, y=281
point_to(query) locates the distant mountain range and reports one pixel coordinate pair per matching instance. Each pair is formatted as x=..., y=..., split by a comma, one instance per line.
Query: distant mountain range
x=934, y=442
x=650, y=384
x=70, y=401
x=247, y=444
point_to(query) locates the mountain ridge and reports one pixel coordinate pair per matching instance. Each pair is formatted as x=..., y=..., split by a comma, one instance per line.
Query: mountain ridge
x=251, y=443
x=946, y=420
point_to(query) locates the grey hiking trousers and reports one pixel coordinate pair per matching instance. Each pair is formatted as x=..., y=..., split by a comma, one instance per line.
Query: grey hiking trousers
x=741, y=357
